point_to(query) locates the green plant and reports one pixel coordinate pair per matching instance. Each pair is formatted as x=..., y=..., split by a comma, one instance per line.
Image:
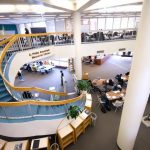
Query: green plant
x=83, y=85
x=73, y=112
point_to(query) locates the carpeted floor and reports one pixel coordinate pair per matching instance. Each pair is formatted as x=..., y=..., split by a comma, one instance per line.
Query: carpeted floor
x=103, y=136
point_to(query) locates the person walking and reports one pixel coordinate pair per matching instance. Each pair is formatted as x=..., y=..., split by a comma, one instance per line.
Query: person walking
x=62, y=75
x=20, y=76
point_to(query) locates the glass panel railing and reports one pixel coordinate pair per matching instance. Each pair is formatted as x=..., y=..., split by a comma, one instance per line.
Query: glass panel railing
x=22, y=111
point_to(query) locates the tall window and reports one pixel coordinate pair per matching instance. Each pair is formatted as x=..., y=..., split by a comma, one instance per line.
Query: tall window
x=109, y=23
x=22, y=28
x=50, y=26
x=85, y=21
x=39, y=24
x=124, y=23
x=116, y=24
x=101, y=23
x=131, y=22
x=137, y=20
x=60, y=25
x=93, y=24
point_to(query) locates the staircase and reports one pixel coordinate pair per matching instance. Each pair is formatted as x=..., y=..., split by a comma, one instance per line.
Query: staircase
x=4, y=94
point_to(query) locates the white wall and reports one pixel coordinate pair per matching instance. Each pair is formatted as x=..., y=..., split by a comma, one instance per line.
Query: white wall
x=108, y=47
x=32, y=128
x=21, y=58
x=68, y=51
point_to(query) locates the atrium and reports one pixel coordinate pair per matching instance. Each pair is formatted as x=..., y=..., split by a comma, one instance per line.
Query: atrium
x=74, y=74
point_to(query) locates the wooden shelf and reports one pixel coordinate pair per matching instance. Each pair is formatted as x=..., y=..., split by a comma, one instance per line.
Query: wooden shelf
x=66, y=136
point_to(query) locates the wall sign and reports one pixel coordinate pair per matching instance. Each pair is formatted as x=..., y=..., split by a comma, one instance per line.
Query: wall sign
x=40, y=53
x=101, y=51
x=122, y=49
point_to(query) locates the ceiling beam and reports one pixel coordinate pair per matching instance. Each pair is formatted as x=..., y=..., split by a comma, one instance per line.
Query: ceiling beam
x=45, y=3
x=136, y=3
x=88, y=4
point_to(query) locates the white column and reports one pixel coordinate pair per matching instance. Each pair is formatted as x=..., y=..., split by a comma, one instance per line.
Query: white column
x=77, y=42
x=138, y=89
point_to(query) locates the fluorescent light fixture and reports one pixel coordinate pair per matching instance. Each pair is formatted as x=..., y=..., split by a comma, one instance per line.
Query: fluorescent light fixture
x=2, y=16
x=49, y=15
x=34, y=15
x=62, y=17
x=65, y=15
x=15, y=15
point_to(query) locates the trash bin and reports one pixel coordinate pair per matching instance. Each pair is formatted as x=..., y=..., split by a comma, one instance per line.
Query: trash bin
x=94, y=118
x=54, y=146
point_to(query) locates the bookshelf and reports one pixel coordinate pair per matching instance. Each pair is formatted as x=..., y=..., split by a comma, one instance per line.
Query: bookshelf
x=71, y=64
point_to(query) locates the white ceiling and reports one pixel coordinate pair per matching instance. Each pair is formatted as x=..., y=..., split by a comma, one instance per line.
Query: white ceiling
x=23, y=11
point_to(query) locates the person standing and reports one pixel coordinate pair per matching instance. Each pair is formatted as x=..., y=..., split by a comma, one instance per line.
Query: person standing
x=26, y=31
x=20, y=76
x=62, y=75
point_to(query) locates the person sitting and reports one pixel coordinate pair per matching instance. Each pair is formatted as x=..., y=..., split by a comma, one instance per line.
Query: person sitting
x=106, y=104
x=117, y=87
x=27, y=95
x=127, y=73
x=110, y=82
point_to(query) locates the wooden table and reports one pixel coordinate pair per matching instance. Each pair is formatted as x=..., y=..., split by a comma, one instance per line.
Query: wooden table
x=13, y=144
x=66, y=136
x=78, y=127
x=43, y=143
x=86, y=118
x=99, y=82
x=2, y=143
x=113, y=95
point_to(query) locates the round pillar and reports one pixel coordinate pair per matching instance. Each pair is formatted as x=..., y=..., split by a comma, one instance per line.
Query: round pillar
x=77, y=42
x=138, y=88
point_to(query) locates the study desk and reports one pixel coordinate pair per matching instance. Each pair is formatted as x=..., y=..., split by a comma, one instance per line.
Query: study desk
x=14, y=144
x=2, y=144
x=40, y=143
x=99, y=82
x=113, y=95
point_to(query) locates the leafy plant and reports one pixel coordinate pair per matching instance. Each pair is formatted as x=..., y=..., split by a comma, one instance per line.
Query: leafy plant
x=83, y=85
x=73, y=112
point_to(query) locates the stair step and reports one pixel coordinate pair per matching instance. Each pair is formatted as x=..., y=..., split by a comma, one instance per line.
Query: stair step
x=7, y=98
x=5, y=94
x=3, y=89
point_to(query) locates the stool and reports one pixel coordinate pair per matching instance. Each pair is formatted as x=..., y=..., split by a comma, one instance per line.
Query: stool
x=66, y=136
x=78, y=127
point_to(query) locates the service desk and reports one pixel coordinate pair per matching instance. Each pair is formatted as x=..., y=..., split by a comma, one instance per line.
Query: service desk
x=101, y=59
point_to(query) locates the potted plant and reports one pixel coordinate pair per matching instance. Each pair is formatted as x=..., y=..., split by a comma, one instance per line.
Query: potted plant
x=73, y=112
x=83, y=85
